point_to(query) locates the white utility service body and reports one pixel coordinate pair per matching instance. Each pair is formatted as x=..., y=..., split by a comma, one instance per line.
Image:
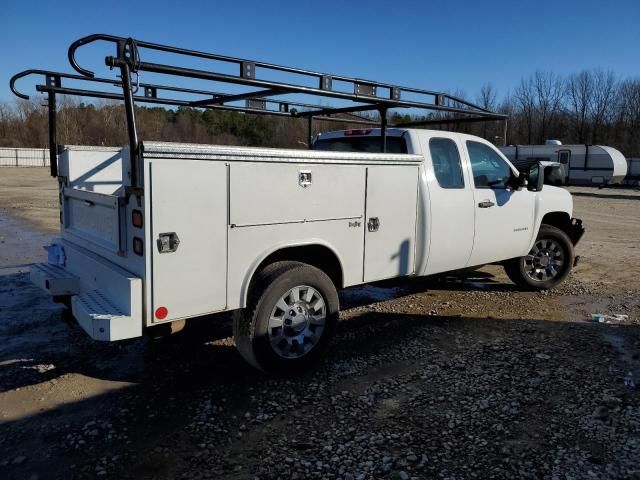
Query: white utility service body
x=209, y=217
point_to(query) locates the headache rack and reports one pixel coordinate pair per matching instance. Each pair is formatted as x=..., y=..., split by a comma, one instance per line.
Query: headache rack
x=266, y=97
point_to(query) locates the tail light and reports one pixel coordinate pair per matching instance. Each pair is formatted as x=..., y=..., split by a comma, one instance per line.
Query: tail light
x=138, y=246
x=136, y=218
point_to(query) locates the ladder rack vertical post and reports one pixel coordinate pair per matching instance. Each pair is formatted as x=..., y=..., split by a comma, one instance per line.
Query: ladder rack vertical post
x=136, y=171
x=504, y=134
x=53, y=146
x=383, y=130
x=310, y=131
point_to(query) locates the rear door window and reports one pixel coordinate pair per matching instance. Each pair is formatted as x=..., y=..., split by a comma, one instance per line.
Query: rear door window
x=360, y=144
x=446, y=162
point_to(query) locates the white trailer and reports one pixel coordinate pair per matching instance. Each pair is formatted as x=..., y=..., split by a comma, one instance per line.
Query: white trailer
x=633, y=172
x=155, y=233
x=579, y=164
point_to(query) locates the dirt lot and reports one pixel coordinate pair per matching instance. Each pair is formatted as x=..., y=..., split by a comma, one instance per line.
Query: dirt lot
x=428, y=378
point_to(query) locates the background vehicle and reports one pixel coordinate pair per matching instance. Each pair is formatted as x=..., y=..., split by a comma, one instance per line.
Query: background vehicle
x=159, y=232
x=580, y=164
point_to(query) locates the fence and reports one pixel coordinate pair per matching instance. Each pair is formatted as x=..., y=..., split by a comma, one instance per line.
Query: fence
x=24, y=157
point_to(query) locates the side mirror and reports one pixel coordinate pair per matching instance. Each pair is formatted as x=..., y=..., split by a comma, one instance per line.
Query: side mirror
x=535, y=177
x=518, y=182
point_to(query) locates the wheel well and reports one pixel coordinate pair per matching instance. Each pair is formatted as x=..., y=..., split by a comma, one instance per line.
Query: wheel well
x=560, y=220
x=319, y=256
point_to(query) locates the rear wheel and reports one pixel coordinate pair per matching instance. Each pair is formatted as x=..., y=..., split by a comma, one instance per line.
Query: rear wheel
x=547, y=264
x=291, y=314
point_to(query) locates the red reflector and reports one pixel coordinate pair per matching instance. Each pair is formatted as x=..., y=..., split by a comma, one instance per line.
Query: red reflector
x=136, y=218
x=138, y=245
x=161, y=313
x=358, y=131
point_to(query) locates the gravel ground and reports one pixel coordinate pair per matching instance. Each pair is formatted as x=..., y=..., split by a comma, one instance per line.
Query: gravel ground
x=458, y=377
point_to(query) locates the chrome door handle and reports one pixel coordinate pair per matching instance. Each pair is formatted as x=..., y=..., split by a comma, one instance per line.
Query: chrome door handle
x=486, y=204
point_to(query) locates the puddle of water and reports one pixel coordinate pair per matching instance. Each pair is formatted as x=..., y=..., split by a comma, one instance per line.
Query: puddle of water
x=371, y=293
x=20, y=245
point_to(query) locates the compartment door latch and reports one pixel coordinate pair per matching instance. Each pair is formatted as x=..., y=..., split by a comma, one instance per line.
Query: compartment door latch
x=373, y=224
x=304, y=178
x=168, y=242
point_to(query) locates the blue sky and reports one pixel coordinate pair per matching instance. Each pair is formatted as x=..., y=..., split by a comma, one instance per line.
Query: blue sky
x=441, y=45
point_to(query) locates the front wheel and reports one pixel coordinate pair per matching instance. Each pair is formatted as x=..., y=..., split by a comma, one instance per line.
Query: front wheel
x=291, y=314
x=547, y=264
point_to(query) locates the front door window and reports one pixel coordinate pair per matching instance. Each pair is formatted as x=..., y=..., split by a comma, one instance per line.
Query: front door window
x=489, y=169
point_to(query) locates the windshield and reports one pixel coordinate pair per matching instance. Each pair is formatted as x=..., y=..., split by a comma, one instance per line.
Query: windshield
x=360, y=144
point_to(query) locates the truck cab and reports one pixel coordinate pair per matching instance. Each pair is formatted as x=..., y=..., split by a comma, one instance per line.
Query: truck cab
x=472, y=209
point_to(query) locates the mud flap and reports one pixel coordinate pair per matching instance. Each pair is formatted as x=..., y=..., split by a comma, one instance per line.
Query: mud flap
x=576, y=231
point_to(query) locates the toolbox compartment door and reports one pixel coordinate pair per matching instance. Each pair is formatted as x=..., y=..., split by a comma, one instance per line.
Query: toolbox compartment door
x=390, y=222
x=270, y=193
x=188, y=203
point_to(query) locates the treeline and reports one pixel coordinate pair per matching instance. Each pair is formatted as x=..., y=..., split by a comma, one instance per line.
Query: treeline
x=592, y=106
x=25, y=124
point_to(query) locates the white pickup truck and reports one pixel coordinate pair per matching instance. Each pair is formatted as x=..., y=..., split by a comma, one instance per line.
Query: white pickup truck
x=274, y=234
x=156, y=233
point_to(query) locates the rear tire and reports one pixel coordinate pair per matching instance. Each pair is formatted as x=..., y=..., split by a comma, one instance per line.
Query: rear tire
x=291, y=315
x=547, y=264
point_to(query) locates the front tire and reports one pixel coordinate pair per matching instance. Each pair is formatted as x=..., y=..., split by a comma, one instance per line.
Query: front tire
x=547, y=264
x=291, y=315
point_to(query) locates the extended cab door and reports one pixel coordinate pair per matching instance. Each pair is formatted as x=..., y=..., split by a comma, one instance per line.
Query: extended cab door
x=449, y=215
x=503, y=216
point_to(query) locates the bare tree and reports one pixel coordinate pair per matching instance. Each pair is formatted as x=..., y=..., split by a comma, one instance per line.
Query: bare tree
x=487, y=97
x=629, y=115
x=524, y=95
x=603, y=100
x=579, y=88
x=549, y=94
x=487, y=100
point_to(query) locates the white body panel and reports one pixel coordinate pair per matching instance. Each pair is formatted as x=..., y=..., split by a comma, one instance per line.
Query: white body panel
x=249, y=246
x=94, y=169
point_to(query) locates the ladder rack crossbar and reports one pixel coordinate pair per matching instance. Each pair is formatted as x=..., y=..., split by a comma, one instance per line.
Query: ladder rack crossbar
x=265, y=97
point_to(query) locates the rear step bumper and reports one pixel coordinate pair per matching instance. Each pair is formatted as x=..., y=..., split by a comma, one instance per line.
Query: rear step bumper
x=54, y=279
x=106, y=300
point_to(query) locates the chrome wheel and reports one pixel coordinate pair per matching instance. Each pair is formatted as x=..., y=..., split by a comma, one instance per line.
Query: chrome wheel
x=297, y=321
x=545, y=261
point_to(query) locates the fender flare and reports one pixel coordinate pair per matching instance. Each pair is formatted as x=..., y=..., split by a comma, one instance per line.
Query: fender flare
x=246, y=282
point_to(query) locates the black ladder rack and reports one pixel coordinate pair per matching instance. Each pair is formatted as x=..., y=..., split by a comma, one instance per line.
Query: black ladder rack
x=266, y=97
